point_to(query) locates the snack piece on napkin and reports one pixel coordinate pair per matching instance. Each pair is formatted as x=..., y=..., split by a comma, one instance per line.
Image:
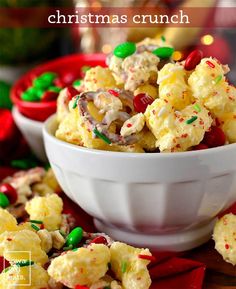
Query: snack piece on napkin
x=82, y=266
x=22, y=245
x=224, y=236
x=7, y=221
x=47, y=209
x=130, y=265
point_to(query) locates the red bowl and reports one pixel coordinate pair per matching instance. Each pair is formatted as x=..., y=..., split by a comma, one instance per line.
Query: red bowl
x=40, y=111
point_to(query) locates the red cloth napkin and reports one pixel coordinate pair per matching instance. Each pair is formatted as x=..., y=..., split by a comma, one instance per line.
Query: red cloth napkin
x=169, y=271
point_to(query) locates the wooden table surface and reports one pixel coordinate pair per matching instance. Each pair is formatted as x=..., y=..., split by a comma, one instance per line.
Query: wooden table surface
x=219, y=274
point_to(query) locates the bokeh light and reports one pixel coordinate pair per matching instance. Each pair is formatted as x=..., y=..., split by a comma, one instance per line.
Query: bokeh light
x=207, y=39
x=177, y=55
x=106, y=48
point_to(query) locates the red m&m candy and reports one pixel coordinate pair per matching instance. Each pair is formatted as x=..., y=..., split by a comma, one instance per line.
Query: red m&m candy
x=193, y=59
x=99, y=240
x=201, y=146
x=49, y=96
x=215, y=137
x=141, y=101
x=9, y=191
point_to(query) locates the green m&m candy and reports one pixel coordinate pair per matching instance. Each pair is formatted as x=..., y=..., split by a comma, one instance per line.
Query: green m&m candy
x=31, y=94
x=163, y=52
x=74, y=237
x=125, y=49
x=54, y=89
x=44, y=80
x=4, y=201
x=77, y=82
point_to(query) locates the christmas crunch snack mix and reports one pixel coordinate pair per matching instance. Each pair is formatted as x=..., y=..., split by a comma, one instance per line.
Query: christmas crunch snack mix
x=144, y=101
x=42, y=248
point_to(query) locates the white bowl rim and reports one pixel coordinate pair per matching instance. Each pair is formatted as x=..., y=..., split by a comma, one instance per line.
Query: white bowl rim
x=210, y=151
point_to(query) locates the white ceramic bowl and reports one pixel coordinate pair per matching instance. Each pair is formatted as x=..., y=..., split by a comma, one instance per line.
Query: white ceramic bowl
x=165, y=201
x=32, y=131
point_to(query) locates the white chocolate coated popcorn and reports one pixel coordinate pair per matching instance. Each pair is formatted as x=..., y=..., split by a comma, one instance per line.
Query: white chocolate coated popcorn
x=7, y=221
x=135, y=275
x=224, y=236
x=47, y=209
x=22, y=245
x=173, y=86
x=97, y=78
x=134, y=70
x=209, y=85
x=171, y=129
x=84, y=266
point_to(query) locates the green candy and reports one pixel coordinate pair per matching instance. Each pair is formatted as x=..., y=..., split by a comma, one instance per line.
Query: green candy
x=5, y=101
x=163, y=52
x=23, y=164
x=31, y=94
x=4, y=201
x=54, y=88
x=125, y=49
x=44, y=80
x=74, y=237
x=77, y=82
x=39, y=93
x=49, y=76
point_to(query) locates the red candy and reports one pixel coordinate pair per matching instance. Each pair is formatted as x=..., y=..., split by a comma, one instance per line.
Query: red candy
x=193, y=59
x=215, y=137
x=99, y=240
x=147, y=257
x=49, y=96
x=71, y=92
x=68, y=78
x=65, y=79
x=201, y=146
x=141, y=101
x=9, y=191
x=113, y=92
x=59, y=82
x=81, y=287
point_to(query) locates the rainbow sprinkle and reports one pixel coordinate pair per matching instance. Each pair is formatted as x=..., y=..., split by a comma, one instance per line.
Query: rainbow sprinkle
x=76, y=100
x=217, y=79
x=36, y=228
x=191, y=120
x=101, y=136
x=36, y=221
x=24, y=263
x=123, y=267
x=163, y=38
x=197, y=107
x=209, y=63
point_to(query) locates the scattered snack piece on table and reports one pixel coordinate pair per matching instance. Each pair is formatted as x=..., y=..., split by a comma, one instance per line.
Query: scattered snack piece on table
x=46, y=250
x=48, y=209
x=224, y=236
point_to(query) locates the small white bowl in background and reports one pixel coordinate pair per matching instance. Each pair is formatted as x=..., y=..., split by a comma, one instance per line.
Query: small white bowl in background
x=33, y=133
x=166, y=201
